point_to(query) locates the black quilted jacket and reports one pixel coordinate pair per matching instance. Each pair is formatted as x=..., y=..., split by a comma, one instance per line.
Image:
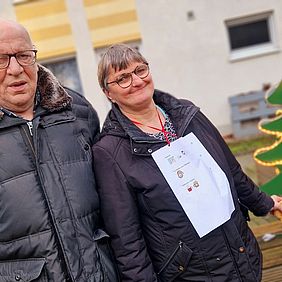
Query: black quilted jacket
x=49, y=207
x=152, y=237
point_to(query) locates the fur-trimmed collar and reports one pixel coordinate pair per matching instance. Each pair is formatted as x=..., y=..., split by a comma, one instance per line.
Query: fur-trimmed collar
x=53, y=96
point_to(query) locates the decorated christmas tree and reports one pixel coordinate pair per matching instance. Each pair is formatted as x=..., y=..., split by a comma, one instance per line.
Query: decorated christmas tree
x=272, y=155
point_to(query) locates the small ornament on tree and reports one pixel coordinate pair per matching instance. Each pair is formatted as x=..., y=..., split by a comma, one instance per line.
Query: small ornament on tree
x=272, y=155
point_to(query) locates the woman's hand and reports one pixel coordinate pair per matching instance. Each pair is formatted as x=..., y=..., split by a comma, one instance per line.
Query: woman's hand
x=277, y=208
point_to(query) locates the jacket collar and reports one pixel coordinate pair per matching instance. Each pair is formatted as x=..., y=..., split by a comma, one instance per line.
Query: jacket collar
x=53, y=96
x=119, y=125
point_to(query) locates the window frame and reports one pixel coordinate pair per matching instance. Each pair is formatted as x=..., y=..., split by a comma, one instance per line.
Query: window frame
x=254, y=50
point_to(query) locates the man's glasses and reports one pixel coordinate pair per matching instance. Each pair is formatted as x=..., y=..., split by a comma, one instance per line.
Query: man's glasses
x=125, y=80
x=24, y=58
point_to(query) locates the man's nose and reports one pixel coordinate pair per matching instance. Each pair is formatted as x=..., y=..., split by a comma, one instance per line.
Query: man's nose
x=14, y=67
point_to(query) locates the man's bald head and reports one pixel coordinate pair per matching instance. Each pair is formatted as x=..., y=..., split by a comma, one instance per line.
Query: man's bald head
x=9, y=26
x=18, y=81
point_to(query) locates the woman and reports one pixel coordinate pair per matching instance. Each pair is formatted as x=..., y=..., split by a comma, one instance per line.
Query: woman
x=155, y=235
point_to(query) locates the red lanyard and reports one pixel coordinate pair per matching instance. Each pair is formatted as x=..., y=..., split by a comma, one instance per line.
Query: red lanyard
x=165, y=133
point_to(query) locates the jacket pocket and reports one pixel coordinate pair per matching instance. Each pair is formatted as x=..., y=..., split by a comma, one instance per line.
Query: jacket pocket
x=24, y=270
x=108, y=269
x=176, y=263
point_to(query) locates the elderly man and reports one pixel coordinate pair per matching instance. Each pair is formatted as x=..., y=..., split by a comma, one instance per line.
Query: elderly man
x=49, y=208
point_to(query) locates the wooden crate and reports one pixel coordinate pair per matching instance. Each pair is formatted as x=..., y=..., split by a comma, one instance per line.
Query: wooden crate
x=247, y=110
x=271, y=250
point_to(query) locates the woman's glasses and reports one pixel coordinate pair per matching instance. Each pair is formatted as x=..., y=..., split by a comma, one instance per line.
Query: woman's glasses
x=125, y=80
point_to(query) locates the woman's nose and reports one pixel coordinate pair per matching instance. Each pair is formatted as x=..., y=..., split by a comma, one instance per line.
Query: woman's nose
x=136, y=79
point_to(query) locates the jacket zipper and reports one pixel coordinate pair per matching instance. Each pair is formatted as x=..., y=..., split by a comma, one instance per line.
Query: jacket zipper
x=28, y=140
x=56, y=230
x=30, y=126
x=179, y=247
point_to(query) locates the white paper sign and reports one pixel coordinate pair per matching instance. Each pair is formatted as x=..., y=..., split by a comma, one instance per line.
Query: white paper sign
x=199, y=184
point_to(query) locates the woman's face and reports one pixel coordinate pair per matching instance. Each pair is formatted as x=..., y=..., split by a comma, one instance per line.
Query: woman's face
x=135, y=97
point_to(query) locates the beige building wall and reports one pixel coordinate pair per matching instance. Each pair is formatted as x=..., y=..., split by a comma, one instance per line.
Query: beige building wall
x=49, y=24
x=7, y=9
x=63, y=29
x=187, y=46
x=185, y=41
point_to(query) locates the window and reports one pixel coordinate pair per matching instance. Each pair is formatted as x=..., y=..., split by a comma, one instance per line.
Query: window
x=66, y=72
x=251, y=36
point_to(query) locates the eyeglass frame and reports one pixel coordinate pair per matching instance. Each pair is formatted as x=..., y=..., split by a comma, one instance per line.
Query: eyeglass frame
x=15, y=56
x=131, y=78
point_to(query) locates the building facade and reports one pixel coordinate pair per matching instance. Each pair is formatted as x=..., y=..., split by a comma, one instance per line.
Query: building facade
x=202, y=50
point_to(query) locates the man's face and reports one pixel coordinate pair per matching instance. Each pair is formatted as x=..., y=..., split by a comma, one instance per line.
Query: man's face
x=17, y=83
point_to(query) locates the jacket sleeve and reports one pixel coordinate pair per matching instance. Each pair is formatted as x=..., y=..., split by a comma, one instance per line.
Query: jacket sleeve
x=120, y=214
x=248, y=193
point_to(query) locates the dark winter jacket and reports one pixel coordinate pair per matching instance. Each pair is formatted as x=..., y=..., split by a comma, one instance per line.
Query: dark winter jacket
x=151, y=234
x=49, y=207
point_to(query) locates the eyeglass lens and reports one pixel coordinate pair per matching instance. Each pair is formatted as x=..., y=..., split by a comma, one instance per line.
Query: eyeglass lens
x=125, y=79
x=25, y=58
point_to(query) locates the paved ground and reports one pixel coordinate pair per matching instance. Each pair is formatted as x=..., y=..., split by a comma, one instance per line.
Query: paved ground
x=269, y=235
x=268, y=230
x=249, y=166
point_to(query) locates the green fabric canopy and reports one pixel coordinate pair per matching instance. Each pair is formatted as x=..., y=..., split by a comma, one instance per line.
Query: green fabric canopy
x=274, y=186
x=272, y=155
x=274, y=125
x=275, y=96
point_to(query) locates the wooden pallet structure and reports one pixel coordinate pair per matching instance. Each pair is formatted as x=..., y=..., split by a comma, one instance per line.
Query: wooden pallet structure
x=271, y=249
